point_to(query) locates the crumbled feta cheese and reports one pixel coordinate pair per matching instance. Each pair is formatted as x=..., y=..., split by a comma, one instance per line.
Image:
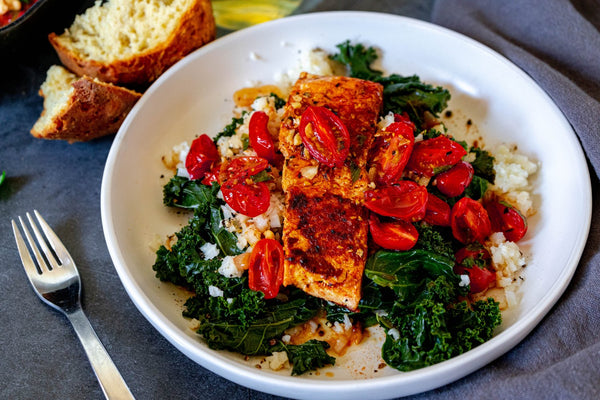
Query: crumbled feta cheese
x=277, y=360
x=210, y=250
x=394, y=333
x=464, y=280
x=229, y=269
x=286, y=338
x=215, y=291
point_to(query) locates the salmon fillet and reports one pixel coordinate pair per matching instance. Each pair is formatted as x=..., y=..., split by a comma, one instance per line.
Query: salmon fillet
x=325, y=227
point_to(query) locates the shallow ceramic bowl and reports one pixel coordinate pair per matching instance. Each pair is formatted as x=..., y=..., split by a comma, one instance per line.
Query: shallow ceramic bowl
x=194, y=97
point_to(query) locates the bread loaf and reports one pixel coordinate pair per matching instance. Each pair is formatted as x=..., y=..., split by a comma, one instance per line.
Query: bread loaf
x=132, y=42
x=80, y=109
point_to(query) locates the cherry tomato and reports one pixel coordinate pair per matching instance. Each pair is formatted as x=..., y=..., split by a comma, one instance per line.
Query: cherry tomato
x=392, y=149
x=454, y=181
x=506, y=219
x=324, y=135
x=405, y=200
x=473, y=254
x=393, y=235
x=429, y=156
x=250, y=199
x=201, y=157
x=212, y=175
x=240, y=192
x=260, y=137
x=265, y=272
x=469, y=221
x=437, y=211
x=240, y=168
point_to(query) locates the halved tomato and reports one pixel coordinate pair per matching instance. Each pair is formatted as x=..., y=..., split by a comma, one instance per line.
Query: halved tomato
x=437, y=211
x=506, y=219
x=394, y=234
x=405, y=200
x=454, y=181
x=265, y=272
x=469, y=221
x=431, y=155
x=392, y=149
x=324, y=135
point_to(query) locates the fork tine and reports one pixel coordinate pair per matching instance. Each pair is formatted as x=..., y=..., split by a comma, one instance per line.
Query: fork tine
x=59, y=248
x=28, y=262
x=41, y=263
x=50, y=258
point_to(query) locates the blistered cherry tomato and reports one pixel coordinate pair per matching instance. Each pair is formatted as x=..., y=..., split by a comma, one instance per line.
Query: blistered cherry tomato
x=437, y=211
x=243, y=167
x=474, y=260
x=240, y=192
x=469, y=221
x=429, y=156
x=454, y=181
x=212, y=175
x=201, y=157
x=473, y=254
x=250, y=199
x=324, y=135
x=405, y=200
x=506, y=219
x=260, y=137
x=392, y=149
x=265, y=272
x=393, y=235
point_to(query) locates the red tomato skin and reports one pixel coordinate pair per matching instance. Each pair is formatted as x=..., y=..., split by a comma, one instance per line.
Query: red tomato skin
x=201, y=157
x=506, y=219
x=324, y=145
x=240, y=168
x=454, y=181
x=260, y=137
x=393, y=235
x=239, y=191
x=249, y=199
x=480, y=278
x=392, y=149
x=469, y=221
x=212, y=175
x=430, y=155
x=406, y=200
x=437, y=211
x=265, y=272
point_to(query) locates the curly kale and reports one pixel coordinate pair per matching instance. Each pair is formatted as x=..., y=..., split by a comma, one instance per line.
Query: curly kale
x=400, y=93
x=427, y=323
x=307, y=356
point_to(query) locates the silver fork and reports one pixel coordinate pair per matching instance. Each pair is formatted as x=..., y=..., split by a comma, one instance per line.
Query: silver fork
x=56, y=281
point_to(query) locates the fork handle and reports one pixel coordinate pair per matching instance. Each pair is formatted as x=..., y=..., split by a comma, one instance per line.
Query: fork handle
x=111, y=381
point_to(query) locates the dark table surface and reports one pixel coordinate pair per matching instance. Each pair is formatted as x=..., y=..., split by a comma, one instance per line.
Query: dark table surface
x=41, y=356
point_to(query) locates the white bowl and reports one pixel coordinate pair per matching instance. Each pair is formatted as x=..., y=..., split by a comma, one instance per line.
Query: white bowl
x=194, y=97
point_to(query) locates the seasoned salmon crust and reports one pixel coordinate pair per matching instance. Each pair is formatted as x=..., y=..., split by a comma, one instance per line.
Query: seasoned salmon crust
x=325, y=227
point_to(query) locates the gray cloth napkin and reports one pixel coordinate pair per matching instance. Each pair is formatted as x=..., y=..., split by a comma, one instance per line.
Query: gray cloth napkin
x=557, y=43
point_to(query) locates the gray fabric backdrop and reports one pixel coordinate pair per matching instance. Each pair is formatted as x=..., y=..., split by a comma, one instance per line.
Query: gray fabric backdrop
x=556, y=42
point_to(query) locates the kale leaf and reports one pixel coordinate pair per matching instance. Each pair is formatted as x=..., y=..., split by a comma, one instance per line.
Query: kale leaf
x=307, y=356
x=230, y=128
x=483, y=164
x=427, y=323
x=401, y=93
x=436, y=239
x=254, y=338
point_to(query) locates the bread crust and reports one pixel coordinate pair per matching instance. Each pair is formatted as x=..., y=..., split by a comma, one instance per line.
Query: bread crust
x=197, y=28
x=94, y=109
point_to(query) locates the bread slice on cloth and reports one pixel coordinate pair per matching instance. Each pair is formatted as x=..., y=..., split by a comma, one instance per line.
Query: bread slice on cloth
x=79, y=109
x=132, y=42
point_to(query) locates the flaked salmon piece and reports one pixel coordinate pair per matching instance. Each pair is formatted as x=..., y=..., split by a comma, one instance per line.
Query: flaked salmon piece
x=325, y=228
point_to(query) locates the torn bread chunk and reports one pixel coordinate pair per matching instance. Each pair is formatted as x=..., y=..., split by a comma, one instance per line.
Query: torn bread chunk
x=325, y=224
x=79, y=109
